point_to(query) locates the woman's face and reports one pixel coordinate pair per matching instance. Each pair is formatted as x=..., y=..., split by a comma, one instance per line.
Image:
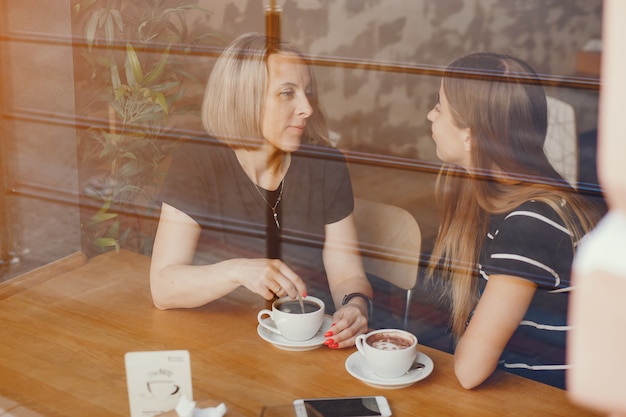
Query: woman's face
x=287, y=104
x=452, y=142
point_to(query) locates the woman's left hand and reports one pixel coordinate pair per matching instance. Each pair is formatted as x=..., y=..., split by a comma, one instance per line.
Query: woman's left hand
x=344, y=268
x=349, y=321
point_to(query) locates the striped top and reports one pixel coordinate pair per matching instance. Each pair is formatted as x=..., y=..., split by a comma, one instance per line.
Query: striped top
x=532, y=242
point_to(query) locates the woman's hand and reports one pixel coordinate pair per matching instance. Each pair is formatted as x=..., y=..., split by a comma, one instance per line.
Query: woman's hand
x=176, y=282
x=344, y=269
x=348, y=322
x=268, y=277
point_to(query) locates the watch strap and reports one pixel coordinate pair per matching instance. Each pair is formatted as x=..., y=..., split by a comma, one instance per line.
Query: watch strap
x=368, y=300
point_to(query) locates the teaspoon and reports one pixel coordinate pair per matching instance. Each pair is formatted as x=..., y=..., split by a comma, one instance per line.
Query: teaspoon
x=301, y=303
x=416, y=366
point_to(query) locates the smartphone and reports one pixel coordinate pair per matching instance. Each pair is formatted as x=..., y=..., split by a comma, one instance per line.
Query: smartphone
x=372, y=406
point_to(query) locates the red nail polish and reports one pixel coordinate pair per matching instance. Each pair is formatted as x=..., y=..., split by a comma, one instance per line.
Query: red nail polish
x=328, y=333
x=334, y=346
x=304, y=294
x=329, y=342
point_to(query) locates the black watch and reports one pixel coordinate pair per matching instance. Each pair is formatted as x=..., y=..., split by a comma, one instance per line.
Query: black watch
x=370, y=302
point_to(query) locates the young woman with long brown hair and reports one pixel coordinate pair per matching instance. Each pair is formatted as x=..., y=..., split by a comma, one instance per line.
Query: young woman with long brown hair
x=510, y=222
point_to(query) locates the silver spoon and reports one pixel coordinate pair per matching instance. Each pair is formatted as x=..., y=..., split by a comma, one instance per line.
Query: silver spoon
x=416, y=366
x=301, y=303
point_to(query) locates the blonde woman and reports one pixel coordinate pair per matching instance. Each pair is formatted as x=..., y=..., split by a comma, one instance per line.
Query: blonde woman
x=264, y=173
x=510, y=223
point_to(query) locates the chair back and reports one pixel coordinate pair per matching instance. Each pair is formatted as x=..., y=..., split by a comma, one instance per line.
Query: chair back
x=561, y=145
x=390, y=240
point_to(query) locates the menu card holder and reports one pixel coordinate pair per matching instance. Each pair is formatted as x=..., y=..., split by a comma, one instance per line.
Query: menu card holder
x=156, y=380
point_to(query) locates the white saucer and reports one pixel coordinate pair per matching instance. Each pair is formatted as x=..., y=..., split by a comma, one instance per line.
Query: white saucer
x=285, y=344
x=358, y=368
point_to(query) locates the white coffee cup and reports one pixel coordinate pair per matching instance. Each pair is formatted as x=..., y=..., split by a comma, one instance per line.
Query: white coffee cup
x=388, y=352
x=289, y=320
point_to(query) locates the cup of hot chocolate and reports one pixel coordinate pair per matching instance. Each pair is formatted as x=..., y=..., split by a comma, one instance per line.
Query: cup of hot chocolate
x=388, y=352
x=289, y=319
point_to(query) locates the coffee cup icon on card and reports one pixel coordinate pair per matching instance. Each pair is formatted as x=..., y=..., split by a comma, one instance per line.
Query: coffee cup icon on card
x=162, y=389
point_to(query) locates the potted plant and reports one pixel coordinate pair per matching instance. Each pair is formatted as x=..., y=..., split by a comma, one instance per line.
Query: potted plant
x=139, y=66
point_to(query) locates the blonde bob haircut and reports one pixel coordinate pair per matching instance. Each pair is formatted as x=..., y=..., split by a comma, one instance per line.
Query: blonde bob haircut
x=233, y=104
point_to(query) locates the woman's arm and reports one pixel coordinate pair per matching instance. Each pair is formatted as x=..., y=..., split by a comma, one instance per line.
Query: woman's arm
x=176, y=283
x=346, y=275
x=496, y=317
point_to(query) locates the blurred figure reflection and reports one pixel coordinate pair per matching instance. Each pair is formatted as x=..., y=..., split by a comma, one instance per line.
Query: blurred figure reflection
x=597, y=341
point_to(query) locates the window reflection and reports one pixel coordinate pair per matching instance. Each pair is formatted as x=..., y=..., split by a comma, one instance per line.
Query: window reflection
x=377, y=65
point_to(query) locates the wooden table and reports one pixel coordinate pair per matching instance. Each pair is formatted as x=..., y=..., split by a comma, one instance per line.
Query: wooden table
x=63, y=343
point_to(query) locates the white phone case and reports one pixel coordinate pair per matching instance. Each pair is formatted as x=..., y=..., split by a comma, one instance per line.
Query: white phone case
x=382, y=407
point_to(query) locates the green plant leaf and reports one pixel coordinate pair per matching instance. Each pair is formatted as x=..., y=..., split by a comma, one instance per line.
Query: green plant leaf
x=102, y=217
x=129, y=169
x=156, y=73
x=161, y=101
x=105, y=206
x=145, y=92
x=133, y=66
x=117, y=18
x=90, y=30
x=172, y=83
x=140, y=28
x=111, y=140
x=106, y=242
x=166, y=86
x=84, y=5
x=102, y=16
x=182, y=9
x=121, y=92
x=109, y=31
x=115, y=79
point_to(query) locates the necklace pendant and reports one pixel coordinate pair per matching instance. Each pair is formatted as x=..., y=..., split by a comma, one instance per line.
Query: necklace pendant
x=276, y=219
x=273, y=208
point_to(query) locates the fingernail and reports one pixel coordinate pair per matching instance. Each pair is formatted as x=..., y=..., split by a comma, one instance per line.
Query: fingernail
x=334, y=346
x=333, y=324
x=328, y=333
x=329, y=342
x=304, y=294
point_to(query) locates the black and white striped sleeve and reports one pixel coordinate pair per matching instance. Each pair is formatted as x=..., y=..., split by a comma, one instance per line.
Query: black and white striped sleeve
x=530, y=242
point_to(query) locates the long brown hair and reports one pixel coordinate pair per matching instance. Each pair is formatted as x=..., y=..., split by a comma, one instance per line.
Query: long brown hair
x=501, y=100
